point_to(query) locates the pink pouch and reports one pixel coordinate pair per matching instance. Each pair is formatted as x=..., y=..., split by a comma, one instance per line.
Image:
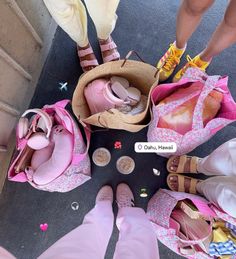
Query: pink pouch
x=78, y=170
x=159, y=211
x=199, y=133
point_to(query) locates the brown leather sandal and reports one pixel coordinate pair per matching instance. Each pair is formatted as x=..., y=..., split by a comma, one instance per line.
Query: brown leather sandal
x=181, y=181
x=182, y=162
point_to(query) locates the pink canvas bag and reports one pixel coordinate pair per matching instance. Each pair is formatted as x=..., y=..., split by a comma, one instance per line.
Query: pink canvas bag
x=199, y=134
x=159, y=210
x=77, y=172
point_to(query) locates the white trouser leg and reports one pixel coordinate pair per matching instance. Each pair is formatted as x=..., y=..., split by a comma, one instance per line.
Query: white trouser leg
x=221, y=191
x=221, y=161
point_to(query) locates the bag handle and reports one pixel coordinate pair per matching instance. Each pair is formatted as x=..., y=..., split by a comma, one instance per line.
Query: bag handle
x=59, y=108
x=79, y=157
x=210, y=84
x=131, y=52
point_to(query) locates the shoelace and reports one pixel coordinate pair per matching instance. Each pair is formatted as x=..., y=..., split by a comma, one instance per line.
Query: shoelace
x=125, y=201
x=190, y=63
x=171, y=61
x=105, y=197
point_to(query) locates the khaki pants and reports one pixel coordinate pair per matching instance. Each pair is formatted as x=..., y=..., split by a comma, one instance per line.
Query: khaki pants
x=71, y=16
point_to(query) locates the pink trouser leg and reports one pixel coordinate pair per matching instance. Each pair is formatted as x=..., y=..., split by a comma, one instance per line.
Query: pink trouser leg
x=4, y=254
x=137, y=238
x=88, y=241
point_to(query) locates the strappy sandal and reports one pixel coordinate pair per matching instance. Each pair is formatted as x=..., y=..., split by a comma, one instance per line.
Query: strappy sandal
x=182, y=162
x=87, y=65
x=109, y=46
x=181, y=181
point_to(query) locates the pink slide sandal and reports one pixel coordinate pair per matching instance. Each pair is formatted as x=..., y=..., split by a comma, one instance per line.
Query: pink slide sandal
x=87, y=64
x=109, y=46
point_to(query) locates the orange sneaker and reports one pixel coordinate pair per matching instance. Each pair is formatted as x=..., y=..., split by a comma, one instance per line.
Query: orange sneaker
x=195, y=62
x=169, y=61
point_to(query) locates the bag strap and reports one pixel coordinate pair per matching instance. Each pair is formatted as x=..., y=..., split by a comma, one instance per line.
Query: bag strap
x=62, y=103
x=64, y=116
x=79, y=157
x=210, y=84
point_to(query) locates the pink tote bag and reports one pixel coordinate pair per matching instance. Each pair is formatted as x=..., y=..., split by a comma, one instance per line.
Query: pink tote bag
x=159, y=211
x=199, y=133
x=79, y=169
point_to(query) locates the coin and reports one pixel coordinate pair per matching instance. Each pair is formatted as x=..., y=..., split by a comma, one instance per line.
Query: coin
x=125, y=165
x=101, y=156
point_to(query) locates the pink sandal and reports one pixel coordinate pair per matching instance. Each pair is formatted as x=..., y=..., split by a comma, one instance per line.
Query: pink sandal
x=87, y=63
x=110, y=46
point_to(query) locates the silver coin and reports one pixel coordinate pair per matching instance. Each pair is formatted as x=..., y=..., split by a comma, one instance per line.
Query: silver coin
x=101, y=156
x=125, y=165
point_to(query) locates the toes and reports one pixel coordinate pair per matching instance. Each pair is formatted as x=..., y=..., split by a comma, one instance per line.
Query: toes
x=176, y=161
x=173, y=168
x=174, y=182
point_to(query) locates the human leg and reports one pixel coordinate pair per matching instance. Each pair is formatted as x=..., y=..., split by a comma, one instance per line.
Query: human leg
x=90, y=240
x=137, y=238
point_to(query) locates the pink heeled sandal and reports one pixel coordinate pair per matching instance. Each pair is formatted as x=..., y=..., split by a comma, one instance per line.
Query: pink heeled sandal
x=87, y=65
x=109, y=46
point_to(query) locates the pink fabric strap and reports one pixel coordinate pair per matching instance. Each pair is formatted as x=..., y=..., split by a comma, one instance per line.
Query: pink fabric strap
x=111, y=57
x=87, y=63
x=20, y=177
x=85, y=52
x=109, y=46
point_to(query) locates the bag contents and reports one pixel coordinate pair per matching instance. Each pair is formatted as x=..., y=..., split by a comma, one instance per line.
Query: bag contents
x=48, y=150
x=181, y=118
x=49, y=162
x=115, y=93
x=224, y=239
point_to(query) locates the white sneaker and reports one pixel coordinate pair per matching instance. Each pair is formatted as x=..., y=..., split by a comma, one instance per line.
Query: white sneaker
x=105, y=194
x=124, y=196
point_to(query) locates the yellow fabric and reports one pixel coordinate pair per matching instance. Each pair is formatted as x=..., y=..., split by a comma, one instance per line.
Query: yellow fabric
x=103, y=14
x=71, y=16
x=169, y=61
x=181, y=118
x=195, y=62
x=221, y=233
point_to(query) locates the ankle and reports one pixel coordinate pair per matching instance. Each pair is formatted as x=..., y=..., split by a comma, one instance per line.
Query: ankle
x=102, y=41
x=180, y=45
x=198, y=188
x=84, y=47
x=205, y=57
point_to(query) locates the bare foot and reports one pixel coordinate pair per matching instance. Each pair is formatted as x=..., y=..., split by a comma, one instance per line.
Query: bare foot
x=88, y=57
x=173, y=181
x=175, y=163
x=107, y=53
